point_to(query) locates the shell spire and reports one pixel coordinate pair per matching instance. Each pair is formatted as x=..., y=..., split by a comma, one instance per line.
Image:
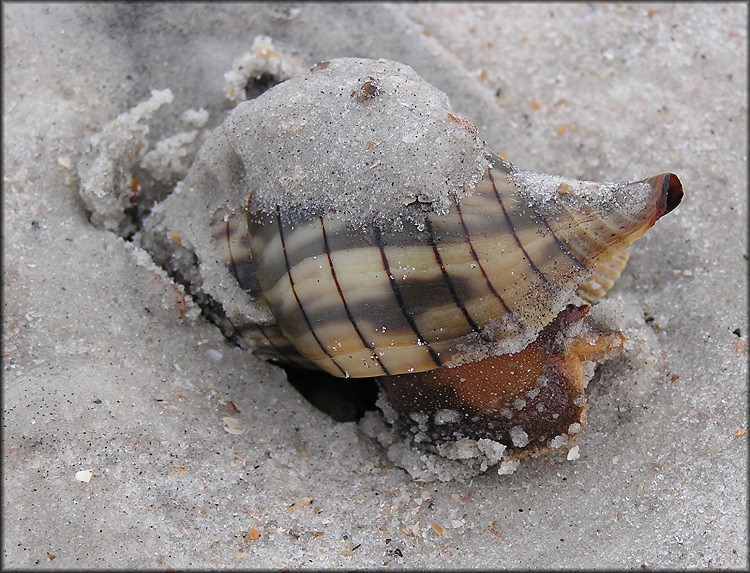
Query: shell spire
x=595, y=220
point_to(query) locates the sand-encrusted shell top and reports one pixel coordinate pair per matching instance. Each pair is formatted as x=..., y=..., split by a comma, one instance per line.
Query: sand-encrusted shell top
x=357, y=139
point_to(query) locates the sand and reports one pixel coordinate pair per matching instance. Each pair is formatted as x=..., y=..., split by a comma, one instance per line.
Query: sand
x=135, y=435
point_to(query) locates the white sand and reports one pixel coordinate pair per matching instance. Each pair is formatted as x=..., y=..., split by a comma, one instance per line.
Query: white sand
x=201, y=456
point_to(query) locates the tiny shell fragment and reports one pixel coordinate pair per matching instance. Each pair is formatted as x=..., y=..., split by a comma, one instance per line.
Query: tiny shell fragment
x=232, y=426
x=84, y=475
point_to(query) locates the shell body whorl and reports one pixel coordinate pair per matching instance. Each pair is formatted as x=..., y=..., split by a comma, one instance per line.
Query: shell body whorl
x=481, y=280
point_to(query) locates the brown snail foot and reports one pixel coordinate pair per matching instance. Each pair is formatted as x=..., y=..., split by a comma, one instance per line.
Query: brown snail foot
x=531, y=401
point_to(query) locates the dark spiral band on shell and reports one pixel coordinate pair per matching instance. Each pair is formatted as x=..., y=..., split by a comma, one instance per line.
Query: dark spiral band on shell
x=347, y=310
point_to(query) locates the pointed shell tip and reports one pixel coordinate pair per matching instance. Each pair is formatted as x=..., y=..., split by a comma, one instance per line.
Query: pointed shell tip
x=670, y=187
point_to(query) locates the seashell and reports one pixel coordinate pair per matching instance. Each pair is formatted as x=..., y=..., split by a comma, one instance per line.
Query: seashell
x=459, y=281
x=481, y=280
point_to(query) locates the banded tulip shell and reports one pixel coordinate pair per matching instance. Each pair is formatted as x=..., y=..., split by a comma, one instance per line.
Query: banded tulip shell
x=465, y=305
x=473, y=283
